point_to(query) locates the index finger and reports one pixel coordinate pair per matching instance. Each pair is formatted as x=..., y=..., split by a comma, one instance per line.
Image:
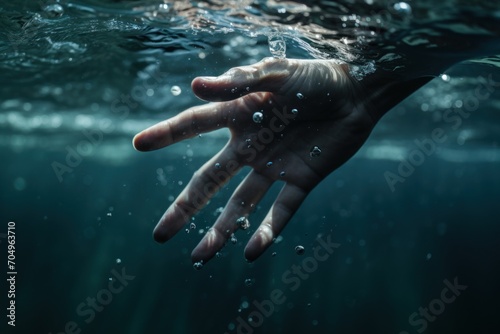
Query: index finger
x=187, y=124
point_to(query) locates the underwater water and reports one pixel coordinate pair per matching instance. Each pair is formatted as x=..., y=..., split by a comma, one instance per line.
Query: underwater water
x=81, y=78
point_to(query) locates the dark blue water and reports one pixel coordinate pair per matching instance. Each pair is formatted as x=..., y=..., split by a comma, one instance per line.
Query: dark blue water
x=417, y=253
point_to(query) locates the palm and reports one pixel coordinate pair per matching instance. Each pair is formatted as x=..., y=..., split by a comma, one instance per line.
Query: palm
x=298, y=148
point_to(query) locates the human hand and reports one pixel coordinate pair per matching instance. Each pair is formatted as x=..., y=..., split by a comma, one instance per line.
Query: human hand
x=314, y=119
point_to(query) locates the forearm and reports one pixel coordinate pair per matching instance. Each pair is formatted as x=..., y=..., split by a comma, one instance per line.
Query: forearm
x=416, y=64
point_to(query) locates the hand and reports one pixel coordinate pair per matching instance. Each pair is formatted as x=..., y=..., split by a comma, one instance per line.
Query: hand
x=329, y=115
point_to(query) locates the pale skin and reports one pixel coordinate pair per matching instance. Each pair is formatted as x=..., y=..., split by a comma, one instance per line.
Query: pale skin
x=336, y=114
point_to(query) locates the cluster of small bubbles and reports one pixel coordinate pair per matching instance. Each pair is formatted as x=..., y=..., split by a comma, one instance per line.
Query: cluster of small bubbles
x=258, y=117
x=300, y=250
x=315, y=152
x=109, y=214
x=233, y=239
x=294, y=111
x=54, y=10
x=118, y=260
x=249, y=282
x=300, y=96
x=234, y=90
x=243, y=223
x=277, y=45
x=198, y=265
x=176, y=90
x=192, y=226
x=282, y=174
x=269, y=164
x=402, y=8
x=217, y=165
x=161, y=177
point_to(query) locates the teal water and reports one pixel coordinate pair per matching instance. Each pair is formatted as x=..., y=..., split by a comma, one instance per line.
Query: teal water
x=85, y=76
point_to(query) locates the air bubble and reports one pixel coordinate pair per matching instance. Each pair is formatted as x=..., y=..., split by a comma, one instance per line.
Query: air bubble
x=300, y=250
x=217, y=165
x=176, y=90
x=258, y=117
x=402, y=8
x=54, y=10
x=277, y=46
x=243, y=223
x=249, y=282
x=315, y=152
x=282, y=174
x=300, y=96
x=118, y=261
x=192, y=226
x=269, y=164
x=198, y=265
x=295, y=111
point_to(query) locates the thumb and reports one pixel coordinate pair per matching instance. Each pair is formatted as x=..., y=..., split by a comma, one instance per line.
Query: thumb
x=268, y=75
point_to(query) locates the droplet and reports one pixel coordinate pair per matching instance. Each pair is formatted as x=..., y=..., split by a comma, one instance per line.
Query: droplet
x=282, y=174
x=258, y=117
x=175, y=90
x=295, y=111
x=118, y=261
x=198, y=265
x=269, y=164
x=445, y=77
x=54, y=10
x=217, y=165
x=402, y=8
x=300, y=96
x=300, y=250
x=277, y=45
x=315, y=152
x=249, y=282
x=243, y=223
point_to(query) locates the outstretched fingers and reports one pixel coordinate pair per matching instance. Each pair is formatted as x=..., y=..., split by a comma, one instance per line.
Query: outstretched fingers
x=285, y=206
x=204, y=184
x=187, y=124
x=268, y=75
x=240, y=205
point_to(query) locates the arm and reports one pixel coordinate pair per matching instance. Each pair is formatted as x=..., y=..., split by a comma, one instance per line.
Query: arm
x=335, y=115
